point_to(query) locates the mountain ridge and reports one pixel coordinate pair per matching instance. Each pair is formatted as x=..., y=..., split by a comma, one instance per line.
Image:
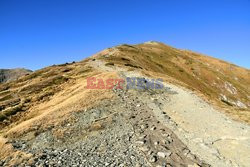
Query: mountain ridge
x=52, y=109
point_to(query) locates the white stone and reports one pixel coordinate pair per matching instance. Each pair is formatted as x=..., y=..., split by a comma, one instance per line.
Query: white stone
x=164, y=154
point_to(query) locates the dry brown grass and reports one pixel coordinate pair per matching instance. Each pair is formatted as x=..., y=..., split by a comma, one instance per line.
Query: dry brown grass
x=48, y=96
x=18, y=96
x=7, y=151
x=203, y=74
x=71, y=98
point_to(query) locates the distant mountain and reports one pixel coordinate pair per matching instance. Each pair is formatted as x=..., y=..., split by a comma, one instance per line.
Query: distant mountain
x=7, y=75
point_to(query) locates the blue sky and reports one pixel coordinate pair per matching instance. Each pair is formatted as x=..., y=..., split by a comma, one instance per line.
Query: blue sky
x=39, y=33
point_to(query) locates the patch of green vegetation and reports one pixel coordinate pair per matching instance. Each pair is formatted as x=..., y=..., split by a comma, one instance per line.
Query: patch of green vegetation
x=58, y=80
x=10, y=111
x=65, y=64
x=189, y=62
x=181, y=70
x=49, y=74
x=37, y=87
x=4, y=93
x=6, y=98
x=84, y=70
x=66, y=70
x=124, y=59
x=227, y=102
x=44, y=95
x=133, y=66
x=2, y=117
x=109, y=64
x=13, y=110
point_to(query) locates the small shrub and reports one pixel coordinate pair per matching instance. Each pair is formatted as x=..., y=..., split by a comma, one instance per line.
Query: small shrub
x=134, y=66
x=109, y=64
x=7, y=97
x=2, y=117
x=66, y=70
x=12, y=110
x=124, y=59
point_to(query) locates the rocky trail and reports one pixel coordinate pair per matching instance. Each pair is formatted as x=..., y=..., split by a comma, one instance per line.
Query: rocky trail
x=122, y=132
x=208, y=133
x=170, y=127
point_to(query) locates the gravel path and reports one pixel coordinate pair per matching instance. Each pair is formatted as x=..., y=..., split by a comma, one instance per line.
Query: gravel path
x=121, y=132
x=208, y=133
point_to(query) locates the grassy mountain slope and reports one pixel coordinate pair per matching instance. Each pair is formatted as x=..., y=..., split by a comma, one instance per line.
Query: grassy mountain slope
x=45, y=99
x=219, y=81
x=223, y=83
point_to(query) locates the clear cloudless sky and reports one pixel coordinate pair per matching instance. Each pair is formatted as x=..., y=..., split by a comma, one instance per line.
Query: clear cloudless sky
x=39, y=33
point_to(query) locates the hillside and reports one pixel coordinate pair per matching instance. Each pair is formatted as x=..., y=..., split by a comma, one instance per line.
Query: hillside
x=7, y=75
x=219, y=81
x=50, y=117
